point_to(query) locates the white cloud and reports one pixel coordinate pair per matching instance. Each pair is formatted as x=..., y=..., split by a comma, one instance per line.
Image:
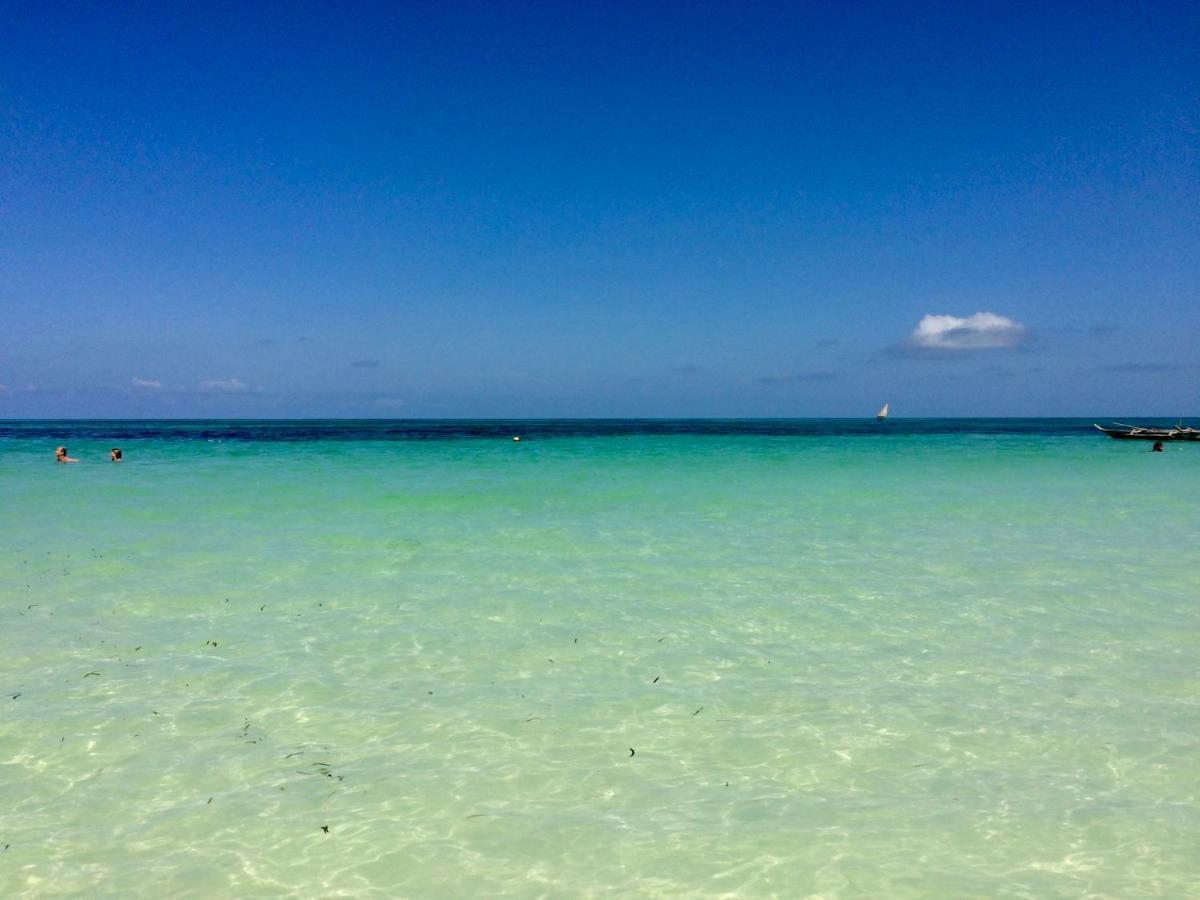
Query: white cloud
x=224, y=386
x=982, y=331
x=149, y=383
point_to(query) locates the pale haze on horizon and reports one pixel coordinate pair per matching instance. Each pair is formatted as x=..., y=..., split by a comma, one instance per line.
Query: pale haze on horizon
x=537, y=209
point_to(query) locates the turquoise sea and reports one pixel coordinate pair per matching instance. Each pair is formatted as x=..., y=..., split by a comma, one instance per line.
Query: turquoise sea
x=639, y=659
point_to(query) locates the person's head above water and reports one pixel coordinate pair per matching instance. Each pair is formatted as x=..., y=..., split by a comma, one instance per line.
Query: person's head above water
x=60, y=455
x=115, y=454
x=1157, y=448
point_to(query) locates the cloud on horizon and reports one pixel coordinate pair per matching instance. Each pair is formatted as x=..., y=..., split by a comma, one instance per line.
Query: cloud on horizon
x=998, y=372
x=799, y=378
x=943, y=335
x=152, y=384
x=224, y=386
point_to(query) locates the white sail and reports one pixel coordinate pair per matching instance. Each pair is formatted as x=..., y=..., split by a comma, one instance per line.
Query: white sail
x=883, y=413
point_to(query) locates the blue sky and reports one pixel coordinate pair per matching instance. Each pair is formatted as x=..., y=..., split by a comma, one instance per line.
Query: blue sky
x=553, y=209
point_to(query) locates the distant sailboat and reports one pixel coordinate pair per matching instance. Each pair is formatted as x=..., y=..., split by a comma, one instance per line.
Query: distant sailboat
x=883, y=414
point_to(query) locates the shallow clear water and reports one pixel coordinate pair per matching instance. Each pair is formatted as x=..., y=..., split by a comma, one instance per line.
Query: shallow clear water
x=640, y=659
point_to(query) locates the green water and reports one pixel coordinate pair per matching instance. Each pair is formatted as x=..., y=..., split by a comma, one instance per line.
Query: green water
x=666, y=665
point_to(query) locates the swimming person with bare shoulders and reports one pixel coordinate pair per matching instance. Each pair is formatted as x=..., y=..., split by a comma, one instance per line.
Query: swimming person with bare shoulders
x=115, y=455
x=60, y=455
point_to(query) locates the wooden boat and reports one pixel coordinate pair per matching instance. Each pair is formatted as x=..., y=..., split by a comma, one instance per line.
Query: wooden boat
x=1138, y=433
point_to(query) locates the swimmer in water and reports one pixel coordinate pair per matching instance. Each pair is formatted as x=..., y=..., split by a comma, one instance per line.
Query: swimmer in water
x=60, y=455
x=115, y=454
x=1157, y=448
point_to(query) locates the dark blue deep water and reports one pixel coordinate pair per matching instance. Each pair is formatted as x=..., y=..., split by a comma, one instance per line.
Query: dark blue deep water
x=285, y=430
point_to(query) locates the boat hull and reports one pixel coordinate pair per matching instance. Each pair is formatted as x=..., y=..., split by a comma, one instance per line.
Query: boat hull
x=1151, y=434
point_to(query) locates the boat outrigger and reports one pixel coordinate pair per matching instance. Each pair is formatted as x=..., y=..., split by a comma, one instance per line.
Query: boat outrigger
x=1137, y=433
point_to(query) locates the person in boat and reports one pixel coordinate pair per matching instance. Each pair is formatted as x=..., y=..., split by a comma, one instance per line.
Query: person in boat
x=60, y=455
x=115, y=454
x=1157, y=448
